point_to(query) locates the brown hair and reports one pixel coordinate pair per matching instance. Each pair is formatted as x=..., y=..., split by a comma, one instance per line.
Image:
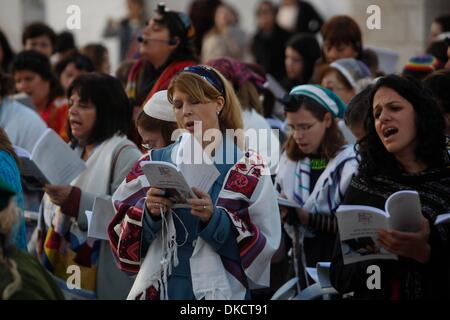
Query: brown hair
x=96, y=52
x=332, y=141
x=196, y=87
x=249, y=97
x=339, y=76
x=343, y=30
x=6, y=145
x=151, y=124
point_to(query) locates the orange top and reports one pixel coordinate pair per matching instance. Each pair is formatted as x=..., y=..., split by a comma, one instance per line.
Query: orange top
x=55, y=116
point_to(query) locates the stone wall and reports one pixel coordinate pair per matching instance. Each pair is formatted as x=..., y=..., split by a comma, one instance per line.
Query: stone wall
x=405, y=24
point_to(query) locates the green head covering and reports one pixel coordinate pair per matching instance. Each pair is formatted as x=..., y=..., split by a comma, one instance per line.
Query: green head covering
x=326, y=98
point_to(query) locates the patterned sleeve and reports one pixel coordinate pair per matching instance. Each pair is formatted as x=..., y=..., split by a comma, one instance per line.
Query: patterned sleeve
x=249, y=198
x=126, y=229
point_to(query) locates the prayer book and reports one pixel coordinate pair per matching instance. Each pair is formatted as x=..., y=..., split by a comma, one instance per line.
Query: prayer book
x=177, y=181
x=358, y=225
x=52, y=161
x=99, y=218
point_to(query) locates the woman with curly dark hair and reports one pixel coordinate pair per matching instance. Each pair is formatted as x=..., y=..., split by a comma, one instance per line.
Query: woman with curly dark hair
x=404, y=149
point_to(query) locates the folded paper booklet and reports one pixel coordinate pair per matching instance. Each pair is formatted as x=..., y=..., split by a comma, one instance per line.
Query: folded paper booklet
x=52, y=161
x=32, y=177
x=178, y=181
x=99, y=218
x=358, y=225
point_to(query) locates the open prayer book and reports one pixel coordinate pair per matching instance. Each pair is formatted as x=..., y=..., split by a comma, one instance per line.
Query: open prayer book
x=358, y=225
x=52, y=161
x=178, y=181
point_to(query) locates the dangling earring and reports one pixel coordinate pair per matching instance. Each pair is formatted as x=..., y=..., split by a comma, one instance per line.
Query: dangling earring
x=218, y=112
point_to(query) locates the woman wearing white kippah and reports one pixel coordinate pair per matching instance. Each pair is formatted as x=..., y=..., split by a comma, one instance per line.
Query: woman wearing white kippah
x=314, y=172
x=156, y=122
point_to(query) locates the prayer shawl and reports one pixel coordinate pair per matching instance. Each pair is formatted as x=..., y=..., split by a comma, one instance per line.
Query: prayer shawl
x=328, y=193
x=95, y=179
x=247, y=196
x=293, y=180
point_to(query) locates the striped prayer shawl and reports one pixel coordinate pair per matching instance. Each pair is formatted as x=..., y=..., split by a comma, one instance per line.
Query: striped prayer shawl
x=247, y=196
x=328, y=193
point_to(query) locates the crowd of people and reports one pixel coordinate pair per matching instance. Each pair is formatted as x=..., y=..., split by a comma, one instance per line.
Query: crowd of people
x=341, y=133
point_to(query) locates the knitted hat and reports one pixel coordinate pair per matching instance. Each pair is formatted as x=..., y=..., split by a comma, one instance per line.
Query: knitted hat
x=420, y=66
x=159, y=107
x=326, y=98
x=5, y=194
x=353, y=70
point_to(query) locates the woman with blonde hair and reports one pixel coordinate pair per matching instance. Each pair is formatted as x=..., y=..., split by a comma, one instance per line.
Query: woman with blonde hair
x=221, y=246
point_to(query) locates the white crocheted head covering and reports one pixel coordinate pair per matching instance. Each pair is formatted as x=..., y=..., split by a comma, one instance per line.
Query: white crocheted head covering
x=159, y=107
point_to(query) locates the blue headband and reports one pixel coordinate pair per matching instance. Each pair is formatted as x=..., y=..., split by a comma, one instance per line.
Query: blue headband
x=209, y=75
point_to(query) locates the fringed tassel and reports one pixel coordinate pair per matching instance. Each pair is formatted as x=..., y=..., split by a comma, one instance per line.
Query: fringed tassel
x=169, y=257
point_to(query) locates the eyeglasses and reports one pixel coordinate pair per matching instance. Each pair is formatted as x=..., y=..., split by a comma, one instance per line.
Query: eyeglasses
x=147, y=146
x=151, y=145
x=302, y=127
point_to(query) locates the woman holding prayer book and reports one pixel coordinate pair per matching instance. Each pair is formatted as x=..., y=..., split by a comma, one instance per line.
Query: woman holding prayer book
x=220, y=247
x=404, y=149
x=315, y=170
x=99, y=116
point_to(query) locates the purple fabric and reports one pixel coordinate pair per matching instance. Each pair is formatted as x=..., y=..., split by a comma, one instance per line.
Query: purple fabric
x=236, y=72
